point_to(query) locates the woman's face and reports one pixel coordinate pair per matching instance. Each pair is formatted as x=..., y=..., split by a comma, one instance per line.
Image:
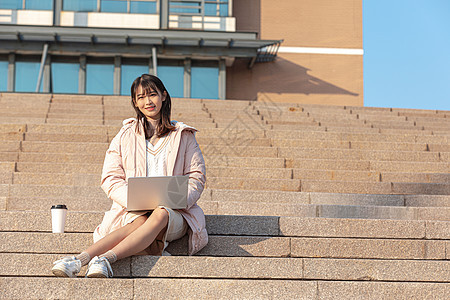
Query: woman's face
x=149, y=104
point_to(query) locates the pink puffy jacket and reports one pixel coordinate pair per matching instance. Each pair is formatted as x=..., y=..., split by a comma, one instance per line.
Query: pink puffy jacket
x=126, y=157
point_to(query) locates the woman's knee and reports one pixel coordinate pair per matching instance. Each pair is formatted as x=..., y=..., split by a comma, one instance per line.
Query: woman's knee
x=160, y=215
x=138, y=222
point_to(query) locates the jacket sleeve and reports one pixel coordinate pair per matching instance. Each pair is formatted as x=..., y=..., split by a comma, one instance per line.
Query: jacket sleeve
x=194, y=166
x=113, y=175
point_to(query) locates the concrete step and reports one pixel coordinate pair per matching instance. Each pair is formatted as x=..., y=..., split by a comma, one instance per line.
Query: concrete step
x=342, y=136
x=77, y=99
x=74, y=121
x=253, y=183
x=249, y=126
x=234, y=207
x=67, y=137
x=413, y=167
x=342, y=123
x=62, y=111
x=445, y=156
x=7, y=166
x=370, y=176
x=66, y=243
x=27, y=190
x=304, y=143
x=240, y=151
x=418, y=132
x=219, y=142
x=437, y=119
x=354, y=154
x=216, y=288
x=252, y=268
x=233, y=104
x=61, y=157
x=420, y=172
x=301, y=127
x=218, y=177
x=67, y=129
x=9, y=156
x=247, y=246
x=40, y=202
x=219, y=112
x=29, y=120
x=330, y=164
x=339, y=175
x=377, y=117
x=278, y=197
x=40, y=112
x=236, y=133
x=255, y=162
x=29, y=221
x=390, y=146
x=243, y=172
x=75, y=179
x=375, y=188
x=214, y=156
x=11, y=136
x=63, y=147
x=12, y=128
x=250, y=134
x=415, y=177
x=265, y=226
x=38, y=97
x=9, y=146
x=251, y=202
x=76, y=107
x=366, y=165
x=67, y=168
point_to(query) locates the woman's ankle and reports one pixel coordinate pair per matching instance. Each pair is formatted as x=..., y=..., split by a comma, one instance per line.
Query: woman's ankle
x=110, y=256
x=84, y=257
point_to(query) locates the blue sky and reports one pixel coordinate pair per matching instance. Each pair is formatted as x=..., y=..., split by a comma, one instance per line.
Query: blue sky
x=407, y=53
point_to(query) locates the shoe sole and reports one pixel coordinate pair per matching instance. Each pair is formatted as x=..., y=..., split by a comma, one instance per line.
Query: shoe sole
x=96, y=273
x=60, y=273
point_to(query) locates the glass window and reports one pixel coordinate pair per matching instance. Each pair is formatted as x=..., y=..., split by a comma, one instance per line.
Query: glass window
x=141, y=7
x=129, y=74
x=80, y=5
x=3, y=75
x=185, y=7
x=100, y=79
x=115, y=6
x=39, y=4
x=26, y=76
x=173, y=79
x=214, y=9
x=65, y=77
x=205, y=82
x=11, y=4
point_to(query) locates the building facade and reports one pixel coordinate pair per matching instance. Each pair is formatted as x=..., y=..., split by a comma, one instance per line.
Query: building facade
x=291, y=50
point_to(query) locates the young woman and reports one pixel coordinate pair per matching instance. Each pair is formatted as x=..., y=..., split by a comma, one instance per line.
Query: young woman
x=150, y=145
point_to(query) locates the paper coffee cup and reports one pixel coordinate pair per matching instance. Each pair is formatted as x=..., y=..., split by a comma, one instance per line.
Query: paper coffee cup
x=59, y=213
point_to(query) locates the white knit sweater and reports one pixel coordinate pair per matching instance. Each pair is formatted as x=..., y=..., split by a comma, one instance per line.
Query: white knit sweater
x=157, y=157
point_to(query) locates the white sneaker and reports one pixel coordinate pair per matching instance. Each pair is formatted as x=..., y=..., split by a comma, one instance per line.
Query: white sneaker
x=99, y=268
x=67, y=267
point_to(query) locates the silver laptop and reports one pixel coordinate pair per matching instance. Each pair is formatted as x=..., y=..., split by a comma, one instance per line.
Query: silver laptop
x=147, y=193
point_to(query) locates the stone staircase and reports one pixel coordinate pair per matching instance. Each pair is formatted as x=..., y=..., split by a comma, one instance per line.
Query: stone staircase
x=302, y=201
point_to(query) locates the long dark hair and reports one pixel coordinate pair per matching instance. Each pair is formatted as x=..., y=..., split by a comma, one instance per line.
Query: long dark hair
x=149, y=83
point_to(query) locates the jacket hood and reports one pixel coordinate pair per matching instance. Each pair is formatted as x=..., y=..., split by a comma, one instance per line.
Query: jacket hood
x=183, y=126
